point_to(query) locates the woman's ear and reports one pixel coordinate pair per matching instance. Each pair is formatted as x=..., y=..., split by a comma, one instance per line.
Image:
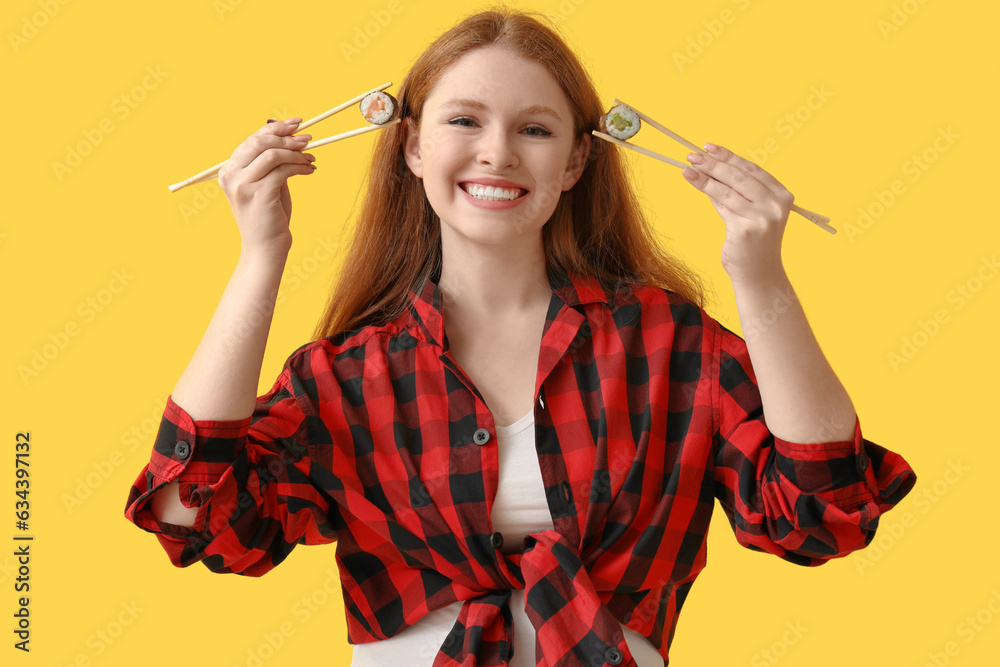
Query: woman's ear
x=411, y=147
x=577, y=161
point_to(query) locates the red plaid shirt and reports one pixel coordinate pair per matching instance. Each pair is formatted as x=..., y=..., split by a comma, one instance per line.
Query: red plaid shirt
x=646, y=411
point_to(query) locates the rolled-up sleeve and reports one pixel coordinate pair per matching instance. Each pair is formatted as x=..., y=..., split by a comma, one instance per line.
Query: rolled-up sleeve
x=259, y=483
x=805, y=502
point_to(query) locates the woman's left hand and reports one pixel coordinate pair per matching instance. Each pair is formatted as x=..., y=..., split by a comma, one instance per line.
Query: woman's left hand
x=754, y=206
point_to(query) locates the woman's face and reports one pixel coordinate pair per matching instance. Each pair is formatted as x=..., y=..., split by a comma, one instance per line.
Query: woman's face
x=495, y=147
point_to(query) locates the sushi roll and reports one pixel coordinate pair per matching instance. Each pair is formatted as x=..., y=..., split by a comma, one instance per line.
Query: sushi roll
x=379, y=108
x=621, y=122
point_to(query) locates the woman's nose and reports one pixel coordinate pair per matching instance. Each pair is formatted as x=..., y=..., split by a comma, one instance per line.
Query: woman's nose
x=496, y=150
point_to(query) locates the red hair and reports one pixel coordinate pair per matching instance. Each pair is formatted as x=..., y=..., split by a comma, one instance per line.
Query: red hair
x=598, y=228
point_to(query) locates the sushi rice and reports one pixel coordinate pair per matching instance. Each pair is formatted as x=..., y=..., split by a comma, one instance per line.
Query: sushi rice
x=378, y=107
x=622, y=122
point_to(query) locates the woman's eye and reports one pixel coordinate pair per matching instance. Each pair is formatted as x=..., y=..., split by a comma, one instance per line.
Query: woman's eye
x=533, y=130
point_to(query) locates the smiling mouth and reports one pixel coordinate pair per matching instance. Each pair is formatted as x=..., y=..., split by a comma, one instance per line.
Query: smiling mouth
x=492, y=193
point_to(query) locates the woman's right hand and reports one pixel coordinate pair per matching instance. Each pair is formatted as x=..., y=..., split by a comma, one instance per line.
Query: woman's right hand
x=255, y=182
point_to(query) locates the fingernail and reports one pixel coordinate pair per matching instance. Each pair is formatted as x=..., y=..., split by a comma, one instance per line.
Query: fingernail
x=302, y=137
x=690, y=173
x=293, y=121
x=271, y=120
x=695, y=158
x=711, y=148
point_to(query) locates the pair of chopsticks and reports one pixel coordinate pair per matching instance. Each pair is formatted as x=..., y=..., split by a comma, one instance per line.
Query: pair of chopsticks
x=820, y=220
x=212, y=172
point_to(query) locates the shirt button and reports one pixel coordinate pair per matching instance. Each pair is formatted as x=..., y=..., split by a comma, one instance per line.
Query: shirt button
x=496, y=539
x=182, y=450
x=863, y=463
x=481, y=436
x=613, y=656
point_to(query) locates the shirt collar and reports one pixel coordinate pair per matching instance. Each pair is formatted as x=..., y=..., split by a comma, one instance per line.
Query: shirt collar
x=573, y=289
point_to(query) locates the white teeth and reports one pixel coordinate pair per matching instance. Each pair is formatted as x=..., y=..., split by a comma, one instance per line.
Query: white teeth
x=490, y=193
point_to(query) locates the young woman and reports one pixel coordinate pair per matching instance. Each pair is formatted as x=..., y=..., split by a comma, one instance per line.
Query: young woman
x=516, y=415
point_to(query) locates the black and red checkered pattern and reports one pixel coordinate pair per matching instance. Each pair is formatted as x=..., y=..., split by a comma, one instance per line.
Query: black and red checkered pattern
x=646, y=411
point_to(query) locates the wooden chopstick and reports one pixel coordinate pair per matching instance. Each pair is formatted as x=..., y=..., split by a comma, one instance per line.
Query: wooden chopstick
x=212, y=172
x=314, y=144
x=672, y=135
x=341, y=107
x=348, y=135
x=639, y=149
x=815, y=218
x=819, y=220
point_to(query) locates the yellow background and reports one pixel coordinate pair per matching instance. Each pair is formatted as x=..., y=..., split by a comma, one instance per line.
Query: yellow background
x=225, y=67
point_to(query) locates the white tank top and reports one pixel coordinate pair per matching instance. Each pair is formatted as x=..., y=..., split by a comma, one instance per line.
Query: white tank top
x=519, y=509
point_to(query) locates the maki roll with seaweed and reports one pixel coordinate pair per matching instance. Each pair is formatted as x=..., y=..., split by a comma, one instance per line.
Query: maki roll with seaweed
x=379, y=108
x=621, y=122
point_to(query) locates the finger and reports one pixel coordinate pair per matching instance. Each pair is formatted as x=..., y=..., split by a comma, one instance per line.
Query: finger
x=725, y=155
x=274, y=158
x=270, y=135
x=721, y=194
x=278, y=177
x=733, y=176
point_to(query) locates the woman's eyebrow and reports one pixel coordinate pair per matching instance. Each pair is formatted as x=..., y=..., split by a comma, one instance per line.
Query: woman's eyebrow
x=476, y=104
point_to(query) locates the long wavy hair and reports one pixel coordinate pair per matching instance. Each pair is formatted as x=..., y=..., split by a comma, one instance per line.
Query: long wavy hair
x=597, y=229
